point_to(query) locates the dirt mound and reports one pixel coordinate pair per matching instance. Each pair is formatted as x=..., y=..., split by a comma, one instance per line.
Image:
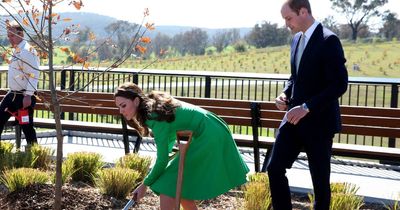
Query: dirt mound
x=41, y=196
x=83, y=196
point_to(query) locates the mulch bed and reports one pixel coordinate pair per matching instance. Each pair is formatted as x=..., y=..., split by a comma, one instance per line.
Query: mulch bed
x=83, y=196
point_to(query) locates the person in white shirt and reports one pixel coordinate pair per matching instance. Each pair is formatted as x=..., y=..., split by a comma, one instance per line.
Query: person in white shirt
x=23, y=74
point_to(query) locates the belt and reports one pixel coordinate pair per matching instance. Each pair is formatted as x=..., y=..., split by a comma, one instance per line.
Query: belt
x=17, y=91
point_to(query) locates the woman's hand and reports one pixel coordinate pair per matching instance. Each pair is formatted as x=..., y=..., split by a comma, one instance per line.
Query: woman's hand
x=139, y=192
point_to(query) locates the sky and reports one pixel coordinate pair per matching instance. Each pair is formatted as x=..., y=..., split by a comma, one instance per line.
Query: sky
x=205, y=13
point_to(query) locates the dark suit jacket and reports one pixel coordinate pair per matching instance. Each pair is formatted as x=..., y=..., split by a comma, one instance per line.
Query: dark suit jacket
x=321, y=79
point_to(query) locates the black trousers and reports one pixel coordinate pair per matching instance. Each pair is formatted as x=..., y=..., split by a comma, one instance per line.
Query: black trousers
x=12, y=102
x=289, y=143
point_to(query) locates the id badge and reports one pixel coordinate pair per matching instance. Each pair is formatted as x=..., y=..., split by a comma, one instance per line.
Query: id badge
x=23, y=116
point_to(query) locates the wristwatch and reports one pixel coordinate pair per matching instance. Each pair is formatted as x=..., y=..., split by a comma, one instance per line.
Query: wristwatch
x=305, y=108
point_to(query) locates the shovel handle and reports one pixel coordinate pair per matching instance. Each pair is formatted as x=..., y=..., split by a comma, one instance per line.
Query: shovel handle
x=183, y=147
x=130, y=203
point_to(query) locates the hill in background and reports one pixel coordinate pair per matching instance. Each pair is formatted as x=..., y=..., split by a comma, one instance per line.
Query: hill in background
x=97, y=23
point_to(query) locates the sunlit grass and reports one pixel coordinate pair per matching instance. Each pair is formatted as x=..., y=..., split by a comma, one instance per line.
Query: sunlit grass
x=117, y=182
x=373, y=59
x=343, y=196
x=16, y=179
x=256, y=192
x=85, y=165
x=135, y=162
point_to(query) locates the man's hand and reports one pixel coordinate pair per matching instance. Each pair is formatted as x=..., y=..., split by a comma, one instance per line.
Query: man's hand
x=281, y=102
x=295, y=114
x=27, y=101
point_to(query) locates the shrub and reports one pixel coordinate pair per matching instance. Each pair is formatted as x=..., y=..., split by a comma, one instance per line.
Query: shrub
x=343, y=197
x=394, y=206
x=85, y=165
x=5, y=155
x=41, y=156
x=135, y=162
x=66, y=173
x=17, y=160
x=16, y=179
x=240, y=47
x=256, y=192
x=5, y=147
x=117, y=182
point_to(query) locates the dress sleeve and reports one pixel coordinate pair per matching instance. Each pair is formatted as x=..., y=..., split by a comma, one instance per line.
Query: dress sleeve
x=162, y=136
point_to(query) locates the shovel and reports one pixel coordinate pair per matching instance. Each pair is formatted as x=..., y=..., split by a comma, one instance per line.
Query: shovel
x=131, y=202
x=183, y=147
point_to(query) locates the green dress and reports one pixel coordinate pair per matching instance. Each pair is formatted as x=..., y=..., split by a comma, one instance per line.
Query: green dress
x=213, y=164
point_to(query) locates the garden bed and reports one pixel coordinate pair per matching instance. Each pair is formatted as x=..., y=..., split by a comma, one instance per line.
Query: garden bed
x=83, y=196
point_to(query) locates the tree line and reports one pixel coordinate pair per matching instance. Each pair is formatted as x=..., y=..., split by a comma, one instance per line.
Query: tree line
x=196, y=41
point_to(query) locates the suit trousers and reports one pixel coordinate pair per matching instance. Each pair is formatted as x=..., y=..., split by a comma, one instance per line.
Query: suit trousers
x=289, y=143
x=12, y=102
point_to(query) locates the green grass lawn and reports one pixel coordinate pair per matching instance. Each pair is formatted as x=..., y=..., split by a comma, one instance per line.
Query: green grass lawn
x=373, y=59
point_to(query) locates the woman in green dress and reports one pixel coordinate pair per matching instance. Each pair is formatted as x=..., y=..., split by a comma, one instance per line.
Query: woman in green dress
x=213, y=164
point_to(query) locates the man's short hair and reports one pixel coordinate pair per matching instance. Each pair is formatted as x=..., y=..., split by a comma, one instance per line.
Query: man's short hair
x=15, y=25
x=296, y=5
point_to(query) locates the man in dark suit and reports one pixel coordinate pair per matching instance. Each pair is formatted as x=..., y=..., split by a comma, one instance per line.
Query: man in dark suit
x=318, y=78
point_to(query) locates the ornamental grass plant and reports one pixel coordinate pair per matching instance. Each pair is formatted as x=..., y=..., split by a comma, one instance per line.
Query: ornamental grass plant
x=19, y=178
x=41, y=156
x=343, y=196
x=18, y=159
x=395, y=205
x=84, y=165
x=136, y=162
x=5, y=147
x=257, y=195
x=117, y=182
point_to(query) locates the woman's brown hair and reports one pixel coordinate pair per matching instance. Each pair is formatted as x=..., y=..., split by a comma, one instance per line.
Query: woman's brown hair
x=156, y=105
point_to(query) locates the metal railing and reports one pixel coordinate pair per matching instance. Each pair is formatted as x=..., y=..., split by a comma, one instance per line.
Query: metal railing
x=362, y=91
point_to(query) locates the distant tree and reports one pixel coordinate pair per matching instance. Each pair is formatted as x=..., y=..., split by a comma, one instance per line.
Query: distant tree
x=358, y=13
x=330, y=23
x=177, y=43
x=364, y=31
x=193, y=42
x=121, y=32
x=391, y=26
x=267, y=34
x=105, y=51
x=81, y=42
x=160, y=43
x=240, y=46
x=345, y=32
x=224, y=38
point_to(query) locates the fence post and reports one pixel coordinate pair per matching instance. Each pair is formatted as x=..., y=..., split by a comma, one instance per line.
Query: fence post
x=135, y=78
x=71, y=88
x=18, y=136
x=394, y=104
x=62, y=87
x=255, y=124
x=207, y=90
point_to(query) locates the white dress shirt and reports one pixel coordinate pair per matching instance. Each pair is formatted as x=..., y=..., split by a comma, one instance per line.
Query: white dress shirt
x=23, y=71
x=309, y=32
